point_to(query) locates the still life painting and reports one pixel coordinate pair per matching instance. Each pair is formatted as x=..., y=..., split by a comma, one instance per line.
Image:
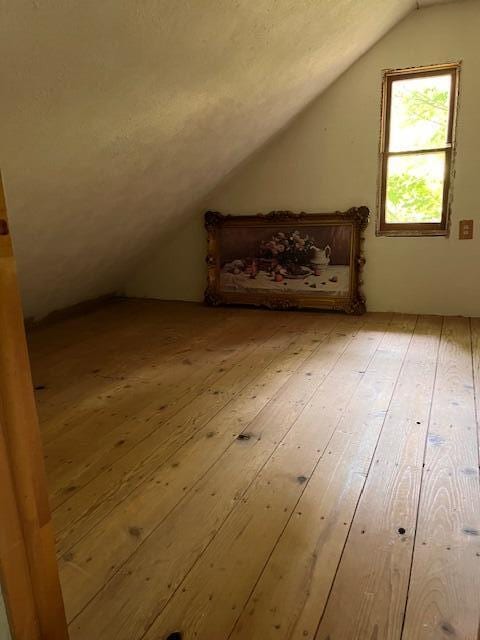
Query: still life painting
x=286, y=260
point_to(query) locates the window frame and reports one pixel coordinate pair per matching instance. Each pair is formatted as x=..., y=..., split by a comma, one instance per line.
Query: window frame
x=417, y=228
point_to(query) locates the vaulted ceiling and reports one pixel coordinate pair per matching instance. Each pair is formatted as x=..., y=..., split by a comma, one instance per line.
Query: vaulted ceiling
x=116, y=117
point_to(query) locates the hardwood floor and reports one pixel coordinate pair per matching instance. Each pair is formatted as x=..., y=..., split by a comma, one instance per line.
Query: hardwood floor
x=240, y=473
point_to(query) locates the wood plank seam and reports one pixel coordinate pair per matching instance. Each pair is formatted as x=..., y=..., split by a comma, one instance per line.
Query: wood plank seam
x=142, y=543
x=421, y=480
x=180, y=405
x=334, y=465
x=172, y=353
x=196, y=570
x=445, y=581
x=212, y=374
x=255, y=475
x=363, y=486
x=377, y=553
x=476, y=386
x=107, y=531
x=203, y=427
x=304, y=486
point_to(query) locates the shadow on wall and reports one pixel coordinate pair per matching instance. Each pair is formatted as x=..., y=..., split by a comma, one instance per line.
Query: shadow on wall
x=327, y=159
x=4, y=626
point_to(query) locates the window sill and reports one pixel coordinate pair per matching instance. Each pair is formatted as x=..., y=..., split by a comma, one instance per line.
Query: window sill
x=412, y=233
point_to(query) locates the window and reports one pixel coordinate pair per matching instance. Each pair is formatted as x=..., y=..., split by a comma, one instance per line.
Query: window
x=417, y=149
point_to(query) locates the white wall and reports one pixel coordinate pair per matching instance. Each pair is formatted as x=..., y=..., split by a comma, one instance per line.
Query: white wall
x=117, y=115
x=327, y=160
x=4, y=626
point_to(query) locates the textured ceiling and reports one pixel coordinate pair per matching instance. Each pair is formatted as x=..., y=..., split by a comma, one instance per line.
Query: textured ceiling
x=116, y=117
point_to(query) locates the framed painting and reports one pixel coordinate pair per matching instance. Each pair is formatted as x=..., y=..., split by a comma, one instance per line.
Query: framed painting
x=286, y=260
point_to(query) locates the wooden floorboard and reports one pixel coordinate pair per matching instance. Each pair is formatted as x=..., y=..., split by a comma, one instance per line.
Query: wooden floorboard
x=127, y=411
x=247, y=538
x=289, y=598
x=443, y=599
x=176, y=476
x=372, y=579
x=176, y=543
x=348, y=508
x=249, y=384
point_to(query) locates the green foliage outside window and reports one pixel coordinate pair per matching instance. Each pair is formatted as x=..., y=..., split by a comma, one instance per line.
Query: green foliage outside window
x=415, y=182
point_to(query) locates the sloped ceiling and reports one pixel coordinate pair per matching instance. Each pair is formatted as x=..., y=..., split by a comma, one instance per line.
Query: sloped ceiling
x=116, y=116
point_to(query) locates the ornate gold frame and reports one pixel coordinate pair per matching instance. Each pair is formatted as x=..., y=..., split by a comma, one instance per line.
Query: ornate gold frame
x=357, y=217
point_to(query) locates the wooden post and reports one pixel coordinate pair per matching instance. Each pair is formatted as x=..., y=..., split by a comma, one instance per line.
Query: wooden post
x=34, y=599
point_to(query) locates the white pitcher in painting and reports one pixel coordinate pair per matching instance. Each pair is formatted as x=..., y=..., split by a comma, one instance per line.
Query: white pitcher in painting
x=321, y=258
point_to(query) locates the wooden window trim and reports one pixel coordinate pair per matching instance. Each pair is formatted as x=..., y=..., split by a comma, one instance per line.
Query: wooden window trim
x=417, y=228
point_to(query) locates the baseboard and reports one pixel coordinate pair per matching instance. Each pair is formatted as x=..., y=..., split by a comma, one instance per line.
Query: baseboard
x=78, y=309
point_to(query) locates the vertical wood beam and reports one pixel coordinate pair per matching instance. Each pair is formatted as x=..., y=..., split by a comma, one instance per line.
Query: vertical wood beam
x=23, y=448
x=14, y=569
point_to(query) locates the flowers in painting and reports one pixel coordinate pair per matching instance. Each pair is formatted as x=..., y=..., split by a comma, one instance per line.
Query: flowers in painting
x=288, y=248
